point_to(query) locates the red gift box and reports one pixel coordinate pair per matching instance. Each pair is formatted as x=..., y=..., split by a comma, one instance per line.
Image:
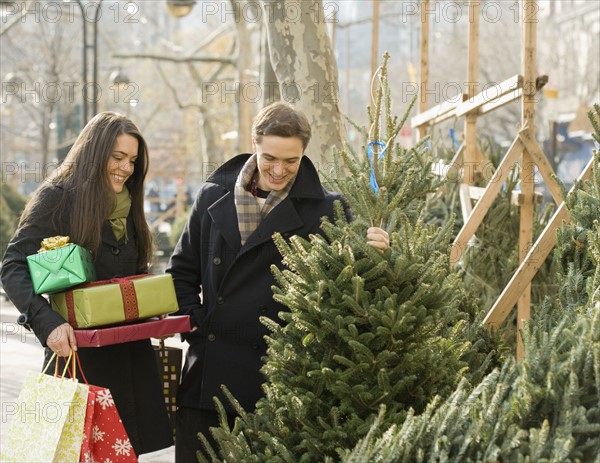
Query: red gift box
x=134, y=332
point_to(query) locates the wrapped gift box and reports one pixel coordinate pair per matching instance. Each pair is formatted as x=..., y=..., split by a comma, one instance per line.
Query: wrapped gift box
x=58, y=269
x=116, y=301
x=143, y=330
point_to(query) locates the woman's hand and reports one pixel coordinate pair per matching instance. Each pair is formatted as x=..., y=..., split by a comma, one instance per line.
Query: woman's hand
x=378, y=238
x=61, y=340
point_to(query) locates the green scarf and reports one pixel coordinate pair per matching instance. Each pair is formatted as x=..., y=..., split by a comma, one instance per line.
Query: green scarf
x=118, y=218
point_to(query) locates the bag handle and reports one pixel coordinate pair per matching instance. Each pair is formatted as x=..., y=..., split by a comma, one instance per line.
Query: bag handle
x=76, y=362
x=56, y=365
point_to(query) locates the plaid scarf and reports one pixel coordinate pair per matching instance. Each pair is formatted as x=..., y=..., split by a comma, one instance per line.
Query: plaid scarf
x=249, y=213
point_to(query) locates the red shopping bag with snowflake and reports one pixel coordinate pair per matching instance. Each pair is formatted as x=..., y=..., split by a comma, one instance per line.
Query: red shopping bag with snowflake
x=104, y=436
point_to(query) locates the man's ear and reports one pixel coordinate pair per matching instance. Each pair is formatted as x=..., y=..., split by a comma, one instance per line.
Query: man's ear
x=254, y=145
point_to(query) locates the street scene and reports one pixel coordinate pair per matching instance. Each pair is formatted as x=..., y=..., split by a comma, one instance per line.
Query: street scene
x=300, y=230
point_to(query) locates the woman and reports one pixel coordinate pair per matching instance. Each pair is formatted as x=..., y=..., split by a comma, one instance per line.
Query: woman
x=96, y=198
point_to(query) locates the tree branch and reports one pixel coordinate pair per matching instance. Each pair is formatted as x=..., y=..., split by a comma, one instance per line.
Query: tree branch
x=17, y=19
x=191, y=59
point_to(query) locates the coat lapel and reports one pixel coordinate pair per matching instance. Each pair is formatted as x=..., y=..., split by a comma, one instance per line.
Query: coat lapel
x=284, y=218
x=108, y=236
x=224, y=216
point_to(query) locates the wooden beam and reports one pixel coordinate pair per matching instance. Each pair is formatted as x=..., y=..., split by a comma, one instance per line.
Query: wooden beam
x=465, y=201
x=490, y=94
x=529, y=10
x=534, y=149
x=471, y=155
x=447, y=109
x=442, y=169
x=437, y=111
x=502, y=101
x=476, y=192
x=522, y=278
x=527, y=270
x=482, y=207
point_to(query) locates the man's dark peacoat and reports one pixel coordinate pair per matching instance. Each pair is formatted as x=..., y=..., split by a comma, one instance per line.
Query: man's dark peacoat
x=226, y=287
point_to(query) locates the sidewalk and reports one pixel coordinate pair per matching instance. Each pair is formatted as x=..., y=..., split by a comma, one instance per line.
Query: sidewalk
x=20, y=351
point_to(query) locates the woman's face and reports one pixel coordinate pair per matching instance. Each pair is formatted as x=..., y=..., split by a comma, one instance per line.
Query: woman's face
x=121, y=162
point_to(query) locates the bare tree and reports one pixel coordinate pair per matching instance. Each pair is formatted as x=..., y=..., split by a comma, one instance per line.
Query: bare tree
x=36, y=88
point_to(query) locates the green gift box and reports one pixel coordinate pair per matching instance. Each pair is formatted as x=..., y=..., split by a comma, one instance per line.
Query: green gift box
x=58, y=269
x=116, y=301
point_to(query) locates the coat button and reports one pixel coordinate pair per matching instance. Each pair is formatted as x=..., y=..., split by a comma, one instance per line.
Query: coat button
x=22, y=320
x=220, y=300
x=115, y=251
x=217, y=261
x=211, y=337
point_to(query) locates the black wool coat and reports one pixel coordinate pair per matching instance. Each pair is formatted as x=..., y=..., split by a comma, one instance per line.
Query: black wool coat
x=226, y=287
x=130, y=369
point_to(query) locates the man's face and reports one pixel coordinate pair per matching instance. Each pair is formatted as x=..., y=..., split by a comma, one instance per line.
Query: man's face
x=278, y=160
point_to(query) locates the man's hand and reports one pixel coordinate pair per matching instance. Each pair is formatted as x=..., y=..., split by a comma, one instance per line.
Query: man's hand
x=378, y=238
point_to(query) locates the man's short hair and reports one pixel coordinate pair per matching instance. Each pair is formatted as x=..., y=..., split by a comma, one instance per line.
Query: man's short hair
x=283, y=120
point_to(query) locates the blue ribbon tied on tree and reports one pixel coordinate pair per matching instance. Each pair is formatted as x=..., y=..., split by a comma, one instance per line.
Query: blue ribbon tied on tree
x=374, y=185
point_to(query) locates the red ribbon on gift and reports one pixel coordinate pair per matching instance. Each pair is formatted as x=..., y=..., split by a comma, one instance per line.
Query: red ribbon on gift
x=130, y=303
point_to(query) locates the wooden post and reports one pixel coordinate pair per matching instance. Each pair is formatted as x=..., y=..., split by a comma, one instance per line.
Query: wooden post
x=527, y=165
x=471, y=160
x=375, y=38
x=485, y=202
x=536, y=257
x=424, y=72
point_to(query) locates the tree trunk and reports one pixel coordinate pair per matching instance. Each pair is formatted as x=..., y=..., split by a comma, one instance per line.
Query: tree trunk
x=305, y=66
x=244, y=63
x=270, y=85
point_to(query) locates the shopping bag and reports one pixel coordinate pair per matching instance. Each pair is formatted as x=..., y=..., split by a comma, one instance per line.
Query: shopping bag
x=104, y=436
x=85, y=454
x=169, y=366
x=49, y=419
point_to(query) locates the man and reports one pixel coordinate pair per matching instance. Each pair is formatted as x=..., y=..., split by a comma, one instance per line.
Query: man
x=221, y=265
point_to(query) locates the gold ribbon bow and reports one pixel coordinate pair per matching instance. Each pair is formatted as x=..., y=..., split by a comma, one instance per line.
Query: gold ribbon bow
x=54, y=242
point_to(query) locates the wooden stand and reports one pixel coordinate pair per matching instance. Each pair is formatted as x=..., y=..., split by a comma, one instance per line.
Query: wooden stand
x=524, y=149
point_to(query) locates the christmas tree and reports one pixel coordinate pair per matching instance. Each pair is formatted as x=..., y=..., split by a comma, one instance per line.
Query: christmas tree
x=544, y=408
x=547, y=406
x=574, y=252
x=364, y=329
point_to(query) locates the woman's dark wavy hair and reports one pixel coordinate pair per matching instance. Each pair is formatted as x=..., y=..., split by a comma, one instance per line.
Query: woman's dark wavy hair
x=89, y=194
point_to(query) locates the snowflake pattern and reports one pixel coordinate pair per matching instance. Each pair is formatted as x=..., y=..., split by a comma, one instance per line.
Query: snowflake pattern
x=108, y=460
x=105, y=399
x=97, y=434
x=122, y=447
